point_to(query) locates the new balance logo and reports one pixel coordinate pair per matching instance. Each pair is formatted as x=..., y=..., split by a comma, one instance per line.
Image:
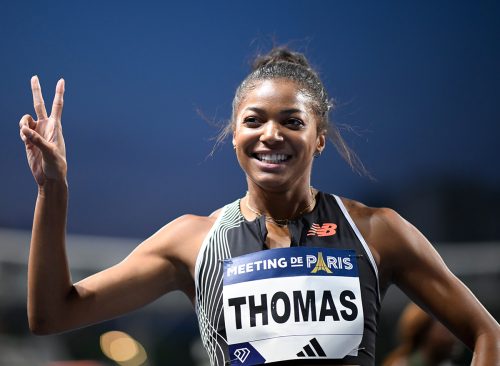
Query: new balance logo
x=327, y=229
x=242, y=354
x=310, y=348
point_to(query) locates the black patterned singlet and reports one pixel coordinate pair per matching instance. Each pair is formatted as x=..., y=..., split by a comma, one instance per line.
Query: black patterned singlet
x=232, y=235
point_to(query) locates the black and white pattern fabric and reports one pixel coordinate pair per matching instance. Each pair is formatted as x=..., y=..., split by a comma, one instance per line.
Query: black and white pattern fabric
x=328, y=225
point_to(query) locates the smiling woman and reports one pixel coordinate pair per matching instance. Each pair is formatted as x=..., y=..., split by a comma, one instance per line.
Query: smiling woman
x=282, y=64
x=285, y=274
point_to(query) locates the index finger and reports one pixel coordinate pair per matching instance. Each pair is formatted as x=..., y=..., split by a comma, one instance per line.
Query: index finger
x=38, y=103
x=57, y=104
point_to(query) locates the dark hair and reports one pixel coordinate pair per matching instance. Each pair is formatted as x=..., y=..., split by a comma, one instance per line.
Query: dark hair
x=282, y=63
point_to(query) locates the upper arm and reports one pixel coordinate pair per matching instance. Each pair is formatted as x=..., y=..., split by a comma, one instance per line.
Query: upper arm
x=416, y=267
x=151, y=270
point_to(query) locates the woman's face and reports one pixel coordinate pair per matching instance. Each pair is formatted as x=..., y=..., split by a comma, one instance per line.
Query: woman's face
x=276, y=136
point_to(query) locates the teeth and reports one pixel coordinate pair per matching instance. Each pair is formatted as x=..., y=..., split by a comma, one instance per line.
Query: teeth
x=272, y=158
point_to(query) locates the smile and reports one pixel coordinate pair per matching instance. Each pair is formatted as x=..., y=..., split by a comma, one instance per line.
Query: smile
x=272, y=158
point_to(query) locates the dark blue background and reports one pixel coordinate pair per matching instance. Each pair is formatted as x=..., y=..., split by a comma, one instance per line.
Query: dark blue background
x=417, y=82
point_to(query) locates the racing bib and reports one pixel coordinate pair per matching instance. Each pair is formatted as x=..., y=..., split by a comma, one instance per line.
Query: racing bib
x=292, y=303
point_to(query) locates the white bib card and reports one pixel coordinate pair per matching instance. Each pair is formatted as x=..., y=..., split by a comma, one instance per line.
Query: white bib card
x=292, y=303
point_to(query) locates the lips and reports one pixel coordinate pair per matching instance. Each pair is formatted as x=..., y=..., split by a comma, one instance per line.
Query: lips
x=271, y=158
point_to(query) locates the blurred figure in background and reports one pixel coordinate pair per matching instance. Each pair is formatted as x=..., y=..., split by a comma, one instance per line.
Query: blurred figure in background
x=424, y=340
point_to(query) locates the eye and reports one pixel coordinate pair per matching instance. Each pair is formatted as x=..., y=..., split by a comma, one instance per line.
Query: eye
x=251, y=121
x=294, y=123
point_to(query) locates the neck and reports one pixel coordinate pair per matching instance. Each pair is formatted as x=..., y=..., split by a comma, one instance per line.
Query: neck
x=280, y=205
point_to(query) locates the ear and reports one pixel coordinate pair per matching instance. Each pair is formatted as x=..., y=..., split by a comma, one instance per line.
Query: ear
x=234, y=138
x=321, y=142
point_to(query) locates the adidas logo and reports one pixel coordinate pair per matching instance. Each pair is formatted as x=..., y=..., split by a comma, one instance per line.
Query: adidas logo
x=310, y=348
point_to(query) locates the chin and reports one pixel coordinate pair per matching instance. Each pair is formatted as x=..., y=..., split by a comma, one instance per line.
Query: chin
x=273, y=183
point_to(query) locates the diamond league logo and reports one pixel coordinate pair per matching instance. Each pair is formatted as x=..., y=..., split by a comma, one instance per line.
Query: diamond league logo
x=242, y=354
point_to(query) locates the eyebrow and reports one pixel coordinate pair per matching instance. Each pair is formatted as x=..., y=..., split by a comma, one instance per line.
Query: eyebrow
x=284, y=111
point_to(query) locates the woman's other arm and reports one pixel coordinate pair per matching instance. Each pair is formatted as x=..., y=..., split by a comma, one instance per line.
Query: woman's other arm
x=416, y=267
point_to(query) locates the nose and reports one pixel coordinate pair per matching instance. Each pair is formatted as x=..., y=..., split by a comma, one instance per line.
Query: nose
x=271, y=133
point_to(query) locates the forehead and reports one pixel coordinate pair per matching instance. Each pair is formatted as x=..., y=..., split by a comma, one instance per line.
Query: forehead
x=275, y=93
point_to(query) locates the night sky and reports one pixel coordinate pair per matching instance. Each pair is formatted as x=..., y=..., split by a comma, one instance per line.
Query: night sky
x=417, y=83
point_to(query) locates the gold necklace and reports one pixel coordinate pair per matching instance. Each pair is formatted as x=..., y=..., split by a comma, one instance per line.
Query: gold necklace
x=281, y=222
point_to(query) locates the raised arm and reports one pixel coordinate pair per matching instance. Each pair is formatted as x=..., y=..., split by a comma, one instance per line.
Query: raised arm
x=419, y=271
x=54, y=303
x=48, y=274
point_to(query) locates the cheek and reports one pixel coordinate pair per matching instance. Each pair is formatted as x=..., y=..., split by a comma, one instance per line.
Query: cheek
x=241, y=146
x=311, y=143
x=244, y=137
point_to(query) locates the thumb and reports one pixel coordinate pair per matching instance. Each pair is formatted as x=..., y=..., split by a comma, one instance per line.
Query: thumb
x=37, y=140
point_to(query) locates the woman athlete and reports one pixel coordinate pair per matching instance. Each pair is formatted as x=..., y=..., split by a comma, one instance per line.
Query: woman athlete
x=313, y=299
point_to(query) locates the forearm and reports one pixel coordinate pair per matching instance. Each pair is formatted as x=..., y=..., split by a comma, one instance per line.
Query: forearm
x=49, y=281
x=487, y=348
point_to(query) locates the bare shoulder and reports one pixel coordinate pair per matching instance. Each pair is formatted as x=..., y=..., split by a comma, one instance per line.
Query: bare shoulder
x=391, y=238
x=180, y=240
x=359, y=210
x=372, y=220
x=216, y=213
x=186, y=229
x=194, y=223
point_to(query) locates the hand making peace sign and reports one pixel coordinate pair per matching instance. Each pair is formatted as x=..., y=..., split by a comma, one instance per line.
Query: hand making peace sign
x=43, y=138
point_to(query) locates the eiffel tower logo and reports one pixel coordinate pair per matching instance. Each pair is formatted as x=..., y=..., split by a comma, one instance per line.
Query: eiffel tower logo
x=321, y=265
x=310, y=348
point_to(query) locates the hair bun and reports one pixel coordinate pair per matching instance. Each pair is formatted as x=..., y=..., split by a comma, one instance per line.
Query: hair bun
x=280, y=54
